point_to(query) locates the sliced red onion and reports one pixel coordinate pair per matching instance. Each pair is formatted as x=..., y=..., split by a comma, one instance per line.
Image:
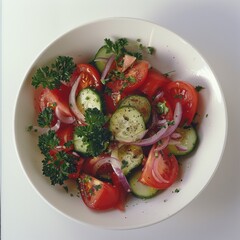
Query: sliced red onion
x=107, y=67
x=62, y=117
x=72, y=101
x=177, y=120
x=153, y=139
x=163, y=144
x=155, y=170
x=176, y=136
x=45, y=129
x=158, y=96
x=116, y=165
x=181, y=148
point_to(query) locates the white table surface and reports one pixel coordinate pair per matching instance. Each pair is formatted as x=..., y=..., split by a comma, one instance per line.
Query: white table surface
x=212, y=26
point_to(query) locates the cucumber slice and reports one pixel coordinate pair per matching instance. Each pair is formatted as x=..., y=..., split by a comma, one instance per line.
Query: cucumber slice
x=131, y=156
x=139, y=189
x=79, y=145
x=127, y=124
x=101, y=58
x=184, y=142
x=88, y=98
x=141, y=103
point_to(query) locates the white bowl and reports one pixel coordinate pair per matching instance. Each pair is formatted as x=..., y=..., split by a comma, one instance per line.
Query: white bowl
x=173, y=53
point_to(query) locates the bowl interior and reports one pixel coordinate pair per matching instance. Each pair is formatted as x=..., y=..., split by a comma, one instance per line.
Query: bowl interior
x=172, y=54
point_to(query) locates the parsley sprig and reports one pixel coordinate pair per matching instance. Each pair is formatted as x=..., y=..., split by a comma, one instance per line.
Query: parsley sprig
x=45, y=117
x=51, y=76
x=59, y=166
x=94, y=135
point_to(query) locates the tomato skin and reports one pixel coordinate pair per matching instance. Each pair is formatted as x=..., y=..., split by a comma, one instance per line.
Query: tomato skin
x=185, y=93
x=65, y=134
x=112, y=100
x=90, y=77
x=52, y=98
x=165, y=164
x=138, y=71
x=96, y=194
x=155, y=80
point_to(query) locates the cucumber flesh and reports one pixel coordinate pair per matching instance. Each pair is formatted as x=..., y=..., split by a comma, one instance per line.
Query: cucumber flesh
x=141, y=103
x=88, y=98
x=101, y=58
x=184, y=142
x=131, y=156
x=79, y=145
x=139, y=189
x=127, y=124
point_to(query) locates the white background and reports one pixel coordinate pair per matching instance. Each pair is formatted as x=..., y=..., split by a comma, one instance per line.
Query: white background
x=212, y=26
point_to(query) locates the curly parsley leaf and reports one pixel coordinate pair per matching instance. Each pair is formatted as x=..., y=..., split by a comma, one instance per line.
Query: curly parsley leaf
x=94, y=135
x=48, y=141
x=51, y=77
x=58, y=167
x=117, y=47
x=45, y=117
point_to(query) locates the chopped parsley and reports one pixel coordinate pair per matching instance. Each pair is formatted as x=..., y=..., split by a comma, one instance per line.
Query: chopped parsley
x=94, y=135
x=52, y=76
x=199, y=88
x=162, y=108
x=45, y=117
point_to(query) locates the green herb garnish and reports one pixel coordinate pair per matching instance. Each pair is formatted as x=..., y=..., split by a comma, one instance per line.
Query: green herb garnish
x=94, y=134
x=52, y=76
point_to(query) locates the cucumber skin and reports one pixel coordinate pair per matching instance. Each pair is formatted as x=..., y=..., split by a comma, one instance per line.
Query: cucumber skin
x=93, y=92
x=136, y=185
x=141, y=103
x=191, y=146
x=101, y=53
x=132, y=155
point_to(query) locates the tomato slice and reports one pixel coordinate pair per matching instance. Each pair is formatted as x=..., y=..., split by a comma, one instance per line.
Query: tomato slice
x=112, y=100
x=155, y=80
x=52, y=98
x=185, y=93
x=138, y=72
x=134, y=77
x=160, y=170
x=65, y=135
x=97, y=194
x=90, y=77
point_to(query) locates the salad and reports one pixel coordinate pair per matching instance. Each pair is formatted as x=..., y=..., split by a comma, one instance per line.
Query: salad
x=114, y=126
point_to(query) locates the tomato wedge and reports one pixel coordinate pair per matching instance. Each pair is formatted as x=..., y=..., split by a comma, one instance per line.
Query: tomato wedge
x=96, y=194
x=52, y=98
x=134, y=77
x=160, y=170
x=155, y=80
x=90, y=77
x=185, y=93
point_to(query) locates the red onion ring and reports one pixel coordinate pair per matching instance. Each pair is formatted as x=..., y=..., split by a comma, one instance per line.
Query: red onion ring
x=116, y=165
x=163, y=144
x=177, y=120
x=155, y=172
x=153, y=139
x=107, y=67
x=72, y=101
x=62, y=117
x=45, y=129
